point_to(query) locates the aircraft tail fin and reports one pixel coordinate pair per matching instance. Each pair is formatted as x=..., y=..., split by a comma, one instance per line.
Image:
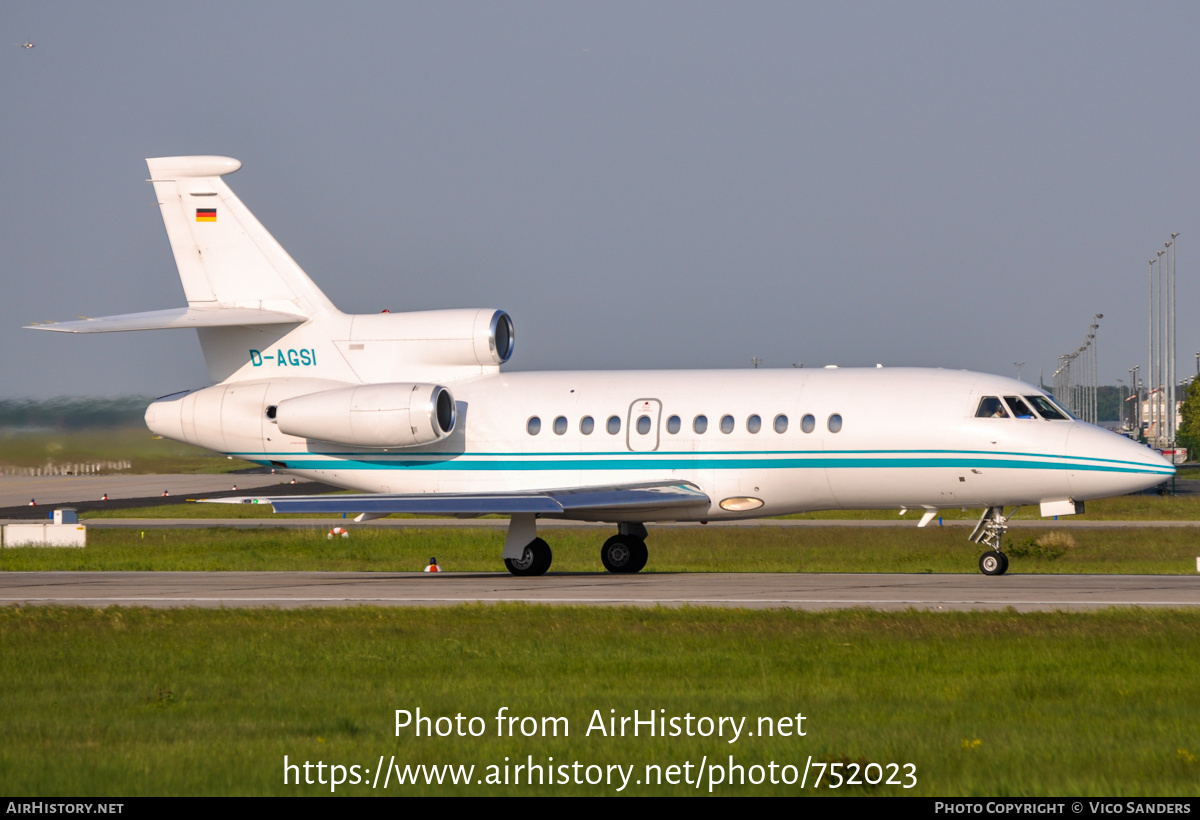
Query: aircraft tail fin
x=226, y=258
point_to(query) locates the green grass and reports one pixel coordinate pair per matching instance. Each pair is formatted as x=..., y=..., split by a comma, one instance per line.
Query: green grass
x=148, y=453
x=207, y=702
x=692, y=549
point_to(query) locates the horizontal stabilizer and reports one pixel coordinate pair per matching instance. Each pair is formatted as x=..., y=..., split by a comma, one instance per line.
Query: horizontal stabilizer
x=175, y=318
x=623, y=499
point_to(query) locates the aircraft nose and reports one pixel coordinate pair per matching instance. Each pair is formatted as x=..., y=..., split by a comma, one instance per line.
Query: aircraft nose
x=1104, y=464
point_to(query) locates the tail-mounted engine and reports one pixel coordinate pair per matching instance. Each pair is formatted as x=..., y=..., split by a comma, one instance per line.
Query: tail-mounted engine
x=371, y=415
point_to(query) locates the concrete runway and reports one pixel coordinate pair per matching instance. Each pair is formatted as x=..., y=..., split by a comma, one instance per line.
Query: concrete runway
x=1025, y=593
x=553, y=523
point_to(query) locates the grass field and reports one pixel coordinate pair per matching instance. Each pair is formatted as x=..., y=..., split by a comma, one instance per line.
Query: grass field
x=133, y=701
x=148, y=453
x=692, y=549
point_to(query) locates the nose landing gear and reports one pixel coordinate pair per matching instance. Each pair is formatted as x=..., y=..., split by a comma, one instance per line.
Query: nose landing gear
x=993, y=563
x=990, y=532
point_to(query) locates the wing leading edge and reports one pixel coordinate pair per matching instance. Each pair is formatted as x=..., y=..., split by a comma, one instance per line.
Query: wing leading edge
x=623, y=499
x=174, y=318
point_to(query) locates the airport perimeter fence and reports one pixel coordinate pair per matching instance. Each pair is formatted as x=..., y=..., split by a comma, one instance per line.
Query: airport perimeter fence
x=74, y=468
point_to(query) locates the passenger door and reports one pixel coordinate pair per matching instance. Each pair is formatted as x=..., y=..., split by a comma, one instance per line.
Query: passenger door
x=641, y=427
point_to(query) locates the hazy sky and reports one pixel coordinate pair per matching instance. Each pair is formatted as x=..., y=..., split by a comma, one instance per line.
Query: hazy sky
x=639, y=184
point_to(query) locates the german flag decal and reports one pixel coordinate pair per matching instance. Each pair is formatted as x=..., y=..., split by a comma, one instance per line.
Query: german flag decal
x=206, y=214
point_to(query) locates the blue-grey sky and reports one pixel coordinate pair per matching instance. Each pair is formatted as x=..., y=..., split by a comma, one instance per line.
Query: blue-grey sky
x=670, y=184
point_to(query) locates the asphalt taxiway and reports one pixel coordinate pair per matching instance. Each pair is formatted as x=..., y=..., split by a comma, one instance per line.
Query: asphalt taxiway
x=1023, y=593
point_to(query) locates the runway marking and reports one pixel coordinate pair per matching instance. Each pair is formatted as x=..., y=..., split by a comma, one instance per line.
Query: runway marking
x=750, y=590
x=649, y=601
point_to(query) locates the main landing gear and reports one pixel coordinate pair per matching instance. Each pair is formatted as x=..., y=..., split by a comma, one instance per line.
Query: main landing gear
x=527, y=555
x=535, y=560
x=990, y=532
x=626, y=551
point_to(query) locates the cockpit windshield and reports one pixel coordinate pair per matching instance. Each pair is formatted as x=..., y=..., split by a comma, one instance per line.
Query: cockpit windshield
x=991, y=407
x=1019, y=408
x=1048, y=409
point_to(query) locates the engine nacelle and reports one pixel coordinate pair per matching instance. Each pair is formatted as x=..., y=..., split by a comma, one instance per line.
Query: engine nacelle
x=445, y=337
x=371, y=415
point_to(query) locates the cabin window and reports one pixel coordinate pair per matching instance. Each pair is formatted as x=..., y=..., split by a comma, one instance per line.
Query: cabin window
x=753, y=424
x=1019, y=408
x=614, y=425
x=781, y=423
x=700, y=424
x=1046, y=409
x=560, y=425
x=835, y=423
x=643, y=425
x=726, y=424
x=533, y=426
x=586, y=425
x=271, y=411
x=673, y=425
x=808, y=423
x=990, y=407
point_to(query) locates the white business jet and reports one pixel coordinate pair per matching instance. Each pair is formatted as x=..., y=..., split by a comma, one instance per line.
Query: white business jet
x=413, y=411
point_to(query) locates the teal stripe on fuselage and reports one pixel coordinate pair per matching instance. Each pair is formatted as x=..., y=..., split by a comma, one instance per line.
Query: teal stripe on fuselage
x=705, y=462
x=653, y=454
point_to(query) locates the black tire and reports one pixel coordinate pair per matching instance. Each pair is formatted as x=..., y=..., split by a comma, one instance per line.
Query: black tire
x=993, y=563
x=534, y=561
x=624, y=554
x=641, y=556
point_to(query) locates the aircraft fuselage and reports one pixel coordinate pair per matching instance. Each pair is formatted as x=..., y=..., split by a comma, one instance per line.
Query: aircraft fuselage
x=908, y=437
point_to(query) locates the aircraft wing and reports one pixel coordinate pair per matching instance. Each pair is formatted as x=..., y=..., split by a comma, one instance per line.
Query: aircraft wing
x=174, y=318
x=592, y=500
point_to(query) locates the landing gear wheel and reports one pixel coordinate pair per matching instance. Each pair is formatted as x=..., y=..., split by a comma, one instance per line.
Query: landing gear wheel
x=535, y=560
x=624, y=554
x=993, y=563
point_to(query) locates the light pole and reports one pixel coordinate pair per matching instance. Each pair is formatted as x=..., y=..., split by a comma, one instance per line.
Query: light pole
x=1171, y=363
x=1135, y=415
x=1150, y=354
x=1137, y=388
x=1096, y=369
x=1018, y=366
